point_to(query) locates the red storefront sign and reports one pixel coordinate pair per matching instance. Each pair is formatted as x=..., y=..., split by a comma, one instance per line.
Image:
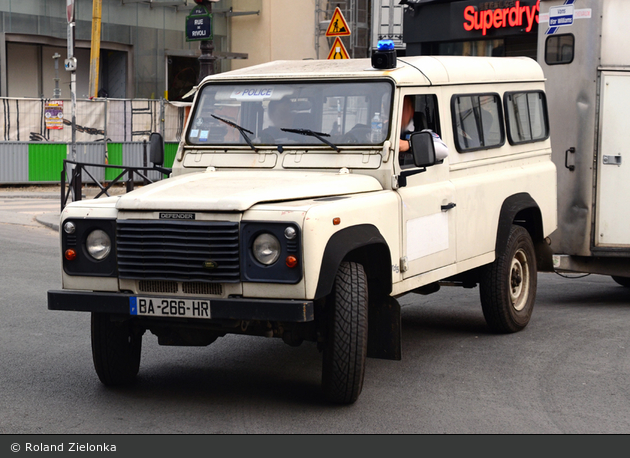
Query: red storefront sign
x=499, y=18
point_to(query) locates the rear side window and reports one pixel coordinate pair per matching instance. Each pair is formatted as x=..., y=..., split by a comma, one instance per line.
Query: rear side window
x=478, y=121
x=526, y=115
x=559, y=49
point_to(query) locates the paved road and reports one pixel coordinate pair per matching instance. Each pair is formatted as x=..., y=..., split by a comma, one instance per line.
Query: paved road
x=30, y=208
x=567, y=372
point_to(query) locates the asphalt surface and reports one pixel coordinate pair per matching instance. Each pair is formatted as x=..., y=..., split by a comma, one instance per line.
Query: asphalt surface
x=566, y=373
x=49, y=219
x=46, y=218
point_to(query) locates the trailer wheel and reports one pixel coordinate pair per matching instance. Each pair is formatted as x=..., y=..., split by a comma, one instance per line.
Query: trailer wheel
x=345, y=346
x=508, y=285
x=116, y=349
x=623, y=281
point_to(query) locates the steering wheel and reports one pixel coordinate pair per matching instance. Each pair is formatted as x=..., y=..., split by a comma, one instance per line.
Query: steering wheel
x=360, y=133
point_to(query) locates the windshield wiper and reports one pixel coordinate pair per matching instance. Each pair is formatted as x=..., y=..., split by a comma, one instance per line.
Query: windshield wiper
x=241, y=130
x=310, y=133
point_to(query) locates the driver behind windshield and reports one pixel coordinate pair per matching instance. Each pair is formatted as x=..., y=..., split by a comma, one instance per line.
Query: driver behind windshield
x=281, y=116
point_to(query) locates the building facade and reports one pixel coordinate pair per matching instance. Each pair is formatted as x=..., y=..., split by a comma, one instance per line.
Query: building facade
x=144, y=50
x=471, y=27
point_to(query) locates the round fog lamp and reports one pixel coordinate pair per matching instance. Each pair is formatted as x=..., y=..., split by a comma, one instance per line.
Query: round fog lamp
x=69, y=228
x=290, y=233
x=98, y=244
x=266, y=249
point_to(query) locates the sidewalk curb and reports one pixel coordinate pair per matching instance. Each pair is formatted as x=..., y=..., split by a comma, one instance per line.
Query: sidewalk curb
x=50, y=220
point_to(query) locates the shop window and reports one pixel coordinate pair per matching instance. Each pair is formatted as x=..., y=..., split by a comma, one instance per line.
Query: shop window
x=478, y=122
x=559, y=49
x=526, y=116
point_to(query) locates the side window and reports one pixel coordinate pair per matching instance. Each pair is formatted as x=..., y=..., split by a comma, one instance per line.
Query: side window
x=426, y=113
x=526, y=115
x=420, y=112
x=559, y=49
x=478, y=122
x=423, y=116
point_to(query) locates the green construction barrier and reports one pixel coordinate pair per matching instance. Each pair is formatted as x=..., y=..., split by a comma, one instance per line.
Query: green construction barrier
x=114, y=157
x=170, y=151
x=45, y=161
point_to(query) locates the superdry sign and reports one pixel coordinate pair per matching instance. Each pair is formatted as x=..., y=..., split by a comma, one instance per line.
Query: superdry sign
x=500, y=15
x=442, y=22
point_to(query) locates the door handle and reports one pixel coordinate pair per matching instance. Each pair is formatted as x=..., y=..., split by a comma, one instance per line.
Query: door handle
x=566, y=159
x=448, y=206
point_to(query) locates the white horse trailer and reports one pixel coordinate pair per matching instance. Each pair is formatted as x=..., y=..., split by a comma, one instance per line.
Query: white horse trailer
x=584, y=52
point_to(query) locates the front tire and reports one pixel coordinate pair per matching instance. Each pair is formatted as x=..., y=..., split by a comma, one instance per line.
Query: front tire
x=116, y=350
x=345, y=347
x=508, y=285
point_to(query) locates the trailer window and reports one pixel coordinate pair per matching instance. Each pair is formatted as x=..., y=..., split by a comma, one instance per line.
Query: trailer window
x=559, y=49
x=526, y=116
x=477, y=121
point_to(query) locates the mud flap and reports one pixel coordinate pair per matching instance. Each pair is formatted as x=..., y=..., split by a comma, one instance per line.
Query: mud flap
x=384, y=330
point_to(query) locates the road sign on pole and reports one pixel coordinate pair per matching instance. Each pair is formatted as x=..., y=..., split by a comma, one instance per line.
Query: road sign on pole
x=338, y=26
x=338, y=50
x=199, y=24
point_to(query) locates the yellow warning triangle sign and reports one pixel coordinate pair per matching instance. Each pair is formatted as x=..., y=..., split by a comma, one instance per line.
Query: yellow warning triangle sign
x=338, y=26
x=338, y=50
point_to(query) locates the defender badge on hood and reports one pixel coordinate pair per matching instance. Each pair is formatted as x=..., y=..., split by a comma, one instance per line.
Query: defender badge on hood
x=177, y=216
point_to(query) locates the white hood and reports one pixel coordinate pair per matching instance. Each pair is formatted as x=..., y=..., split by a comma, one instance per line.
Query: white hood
x=239, y=191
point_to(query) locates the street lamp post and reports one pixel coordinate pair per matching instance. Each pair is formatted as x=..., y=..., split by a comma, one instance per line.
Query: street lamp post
x=206, y=59
x=204, y=34
x=57, y=90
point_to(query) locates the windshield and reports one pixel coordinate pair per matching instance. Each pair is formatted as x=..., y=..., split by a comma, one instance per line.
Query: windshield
x=327, y=114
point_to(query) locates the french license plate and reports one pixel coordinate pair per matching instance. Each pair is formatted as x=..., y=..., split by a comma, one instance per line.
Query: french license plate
x=163, y=307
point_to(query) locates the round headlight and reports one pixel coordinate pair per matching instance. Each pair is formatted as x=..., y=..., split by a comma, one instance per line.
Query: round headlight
x=266, y=249
x=98, y=244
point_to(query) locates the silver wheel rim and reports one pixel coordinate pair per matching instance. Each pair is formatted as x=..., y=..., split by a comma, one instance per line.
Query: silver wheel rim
x=519, y=280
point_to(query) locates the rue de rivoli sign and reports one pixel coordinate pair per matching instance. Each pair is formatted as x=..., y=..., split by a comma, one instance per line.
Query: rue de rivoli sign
x=199, y=24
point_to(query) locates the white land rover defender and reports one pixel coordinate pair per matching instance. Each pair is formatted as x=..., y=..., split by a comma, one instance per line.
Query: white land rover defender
x=290, y=212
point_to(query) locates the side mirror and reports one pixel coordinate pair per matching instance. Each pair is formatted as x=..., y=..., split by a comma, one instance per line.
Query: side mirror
x=423, y=149
x=156, y=145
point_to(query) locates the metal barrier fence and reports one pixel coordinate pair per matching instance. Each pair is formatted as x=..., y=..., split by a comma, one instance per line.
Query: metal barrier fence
x=97, y=120
x=40, y=163
x=75, y=174
x=36, y=135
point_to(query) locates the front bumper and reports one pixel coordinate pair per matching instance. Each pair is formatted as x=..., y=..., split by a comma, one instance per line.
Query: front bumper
x=295, y=311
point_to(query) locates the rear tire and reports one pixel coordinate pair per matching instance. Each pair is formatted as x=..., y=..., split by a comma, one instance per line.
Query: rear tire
x=623, y=281
x=116, y=350
x=345, y=348
x=508, y=285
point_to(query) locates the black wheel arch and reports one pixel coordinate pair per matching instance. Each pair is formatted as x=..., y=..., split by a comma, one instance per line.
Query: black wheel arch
x=364, y=244
x=522, y=209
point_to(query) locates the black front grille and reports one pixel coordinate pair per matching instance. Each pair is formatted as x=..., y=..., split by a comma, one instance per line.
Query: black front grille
x=178, y=250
